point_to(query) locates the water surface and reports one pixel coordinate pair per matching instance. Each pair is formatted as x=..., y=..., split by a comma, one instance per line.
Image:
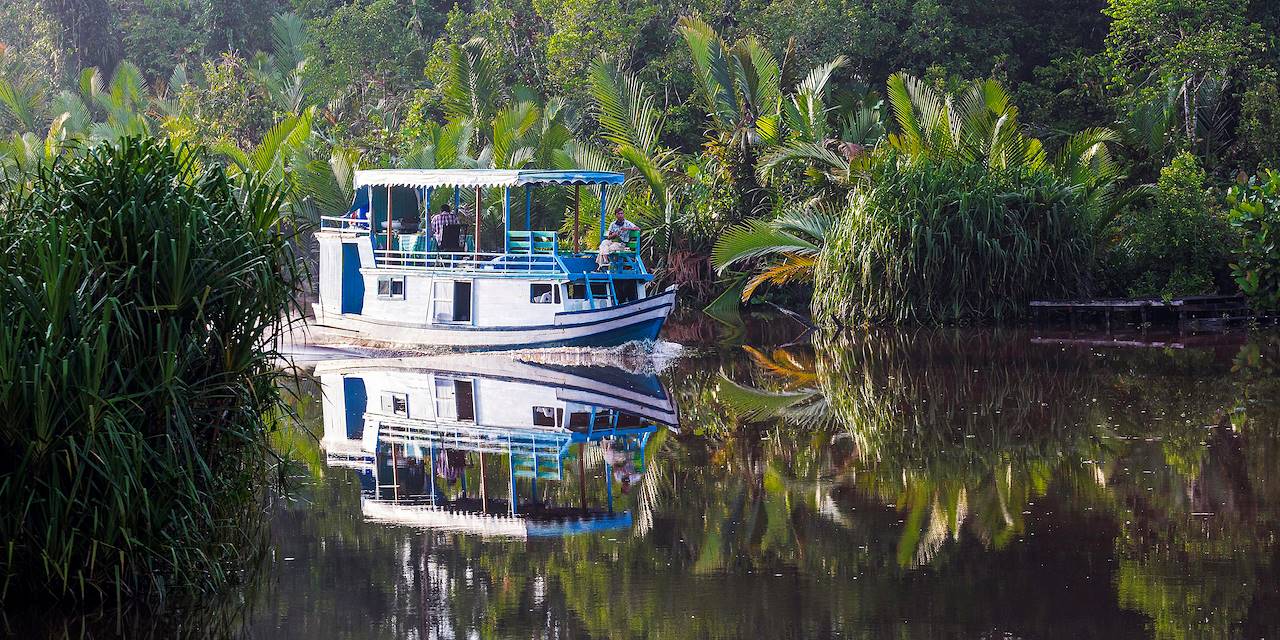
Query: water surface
x=940, y=483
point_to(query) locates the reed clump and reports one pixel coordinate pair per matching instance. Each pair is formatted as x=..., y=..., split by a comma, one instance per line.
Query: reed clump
x=944, y=241
x=140, y=291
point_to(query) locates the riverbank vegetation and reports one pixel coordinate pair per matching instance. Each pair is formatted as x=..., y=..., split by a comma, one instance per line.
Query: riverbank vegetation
x=140, y=290
x=1117, y=125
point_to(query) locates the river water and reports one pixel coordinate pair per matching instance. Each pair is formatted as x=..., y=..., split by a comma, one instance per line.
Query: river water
x=891, y=484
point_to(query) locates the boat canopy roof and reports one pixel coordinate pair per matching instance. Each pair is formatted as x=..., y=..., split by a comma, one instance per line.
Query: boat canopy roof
x=483, y=178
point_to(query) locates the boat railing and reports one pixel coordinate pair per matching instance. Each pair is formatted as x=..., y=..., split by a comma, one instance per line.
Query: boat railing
x=471, y=437
x=489, y=264
x=344, y=225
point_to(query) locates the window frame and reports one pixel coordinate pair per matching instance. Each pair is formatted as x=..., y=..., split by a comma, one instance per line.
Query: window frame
x=554, y=289
x=391, y=282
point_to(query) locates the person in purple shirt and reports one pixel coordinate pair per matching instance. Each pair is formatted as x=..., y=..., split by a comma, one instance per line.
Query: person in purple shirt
x=438, y=222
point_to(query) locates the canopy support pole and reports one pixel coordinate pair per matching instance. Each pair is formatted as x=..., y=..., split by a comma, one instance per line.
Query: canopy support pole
x=529, y=210
x=608, y=486
x=577, y=201
x=582, y=478
x=484, y=490
x=388, y=217
x=395, y=476
x=427, y=218
x=511, y=476
x=433, y=471
x=506, y=220
x=476, y=248
x=604, y=208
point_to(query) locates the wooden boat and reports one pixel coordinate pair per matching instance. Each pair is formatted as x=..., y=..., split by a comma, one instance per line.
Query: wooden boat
x=385, y=283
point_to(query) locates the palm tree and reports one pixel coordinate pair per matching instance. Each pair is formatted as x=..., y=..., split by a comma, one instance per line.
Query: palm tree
x=281, y=72
x=978, y=125
x=631, y=126
x=274, y=154
x=38, y=130
x=445, y=146
x=120, y=108
x=471, y=89
x=322, y=185
x=22, y=98
x=740, y=87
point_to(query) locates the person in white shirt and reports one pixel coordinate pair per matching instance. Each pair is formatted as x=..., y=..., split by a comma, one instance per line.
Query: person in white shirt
x=615, y=238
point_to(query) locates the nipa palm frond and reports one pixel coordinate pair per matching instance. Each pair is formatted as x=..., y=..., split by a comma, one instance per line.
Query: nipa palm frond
x=793, y=268
x=755, y=239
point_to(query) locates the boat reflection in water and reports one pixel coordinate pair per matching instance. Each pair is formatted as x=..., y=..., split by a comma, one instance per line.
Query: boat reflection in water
x=476, y=443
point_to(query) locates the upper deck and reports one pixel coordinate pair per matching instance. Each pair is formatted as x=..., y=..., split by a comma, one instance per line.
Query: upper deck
x=392, y=209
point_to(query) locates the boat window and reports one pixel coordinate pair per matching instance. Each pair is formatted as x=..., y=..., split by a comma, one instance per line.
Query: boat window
x=391, y=287
x=599, y=291
x=546, y=416
x=396, y=404
x=544, y=294
x=629, y=421
x=628, y=290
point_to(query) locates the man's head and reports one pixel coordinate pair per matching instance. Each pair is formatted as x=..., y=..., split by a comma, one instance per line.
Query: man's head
x=618, y=215
x=445, y=209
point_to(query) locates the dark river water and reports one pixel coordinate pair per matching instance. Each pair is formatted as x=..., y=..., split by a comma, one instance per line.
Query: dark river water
x=891, y=484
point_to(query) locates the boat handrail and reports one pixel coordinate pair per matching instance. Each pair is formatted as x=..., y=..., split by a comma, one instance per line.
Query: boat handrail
x=489, y=264
x=343, y=224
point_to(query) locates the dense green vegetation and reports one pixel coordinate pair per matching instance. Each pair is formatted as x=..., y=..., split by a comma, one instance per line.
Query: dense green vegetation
x=139, y=295
x=727, y=118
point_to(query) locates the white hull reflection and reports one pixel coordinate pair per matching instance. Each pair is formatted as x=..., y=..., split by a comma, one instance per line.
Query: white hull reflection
x=490, y=445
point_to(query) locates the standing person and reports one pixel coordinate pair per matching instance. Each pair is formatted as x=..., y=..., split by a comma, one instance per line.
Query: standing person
x=615, y=238
x=442, y=219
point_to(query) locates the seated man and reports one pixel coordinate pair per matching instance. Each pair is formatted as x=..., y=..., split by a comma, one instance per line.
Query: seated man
x=446, y=218
x=615, y=238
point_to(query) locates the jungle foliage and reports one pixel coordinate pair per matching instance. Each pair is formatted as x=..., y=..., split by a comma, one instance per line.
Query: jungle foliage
x=730, y=120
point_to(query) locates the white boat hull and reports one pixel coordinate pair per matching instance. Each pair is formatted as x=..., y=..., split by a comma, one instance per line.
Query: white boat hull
x=610, y=326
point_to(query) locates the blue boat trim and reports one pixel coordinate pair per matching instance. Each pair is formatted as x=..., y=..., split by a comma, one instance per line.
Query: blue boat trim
x=646, y=331
x=618, y=306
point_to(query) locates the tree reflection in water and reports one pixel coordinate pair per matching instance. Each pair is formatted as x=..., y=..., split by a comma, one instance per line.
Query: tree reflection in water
x=939, y=483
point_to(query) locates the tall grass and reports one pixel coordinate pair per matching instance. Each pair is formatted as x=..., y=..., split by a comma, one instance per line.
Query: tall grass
x=139, y=295
x=943, y=241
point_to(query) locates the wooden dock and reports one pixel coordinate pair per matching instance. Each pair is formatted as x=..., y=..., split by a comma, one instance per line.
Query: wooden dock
x=1191, y=313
